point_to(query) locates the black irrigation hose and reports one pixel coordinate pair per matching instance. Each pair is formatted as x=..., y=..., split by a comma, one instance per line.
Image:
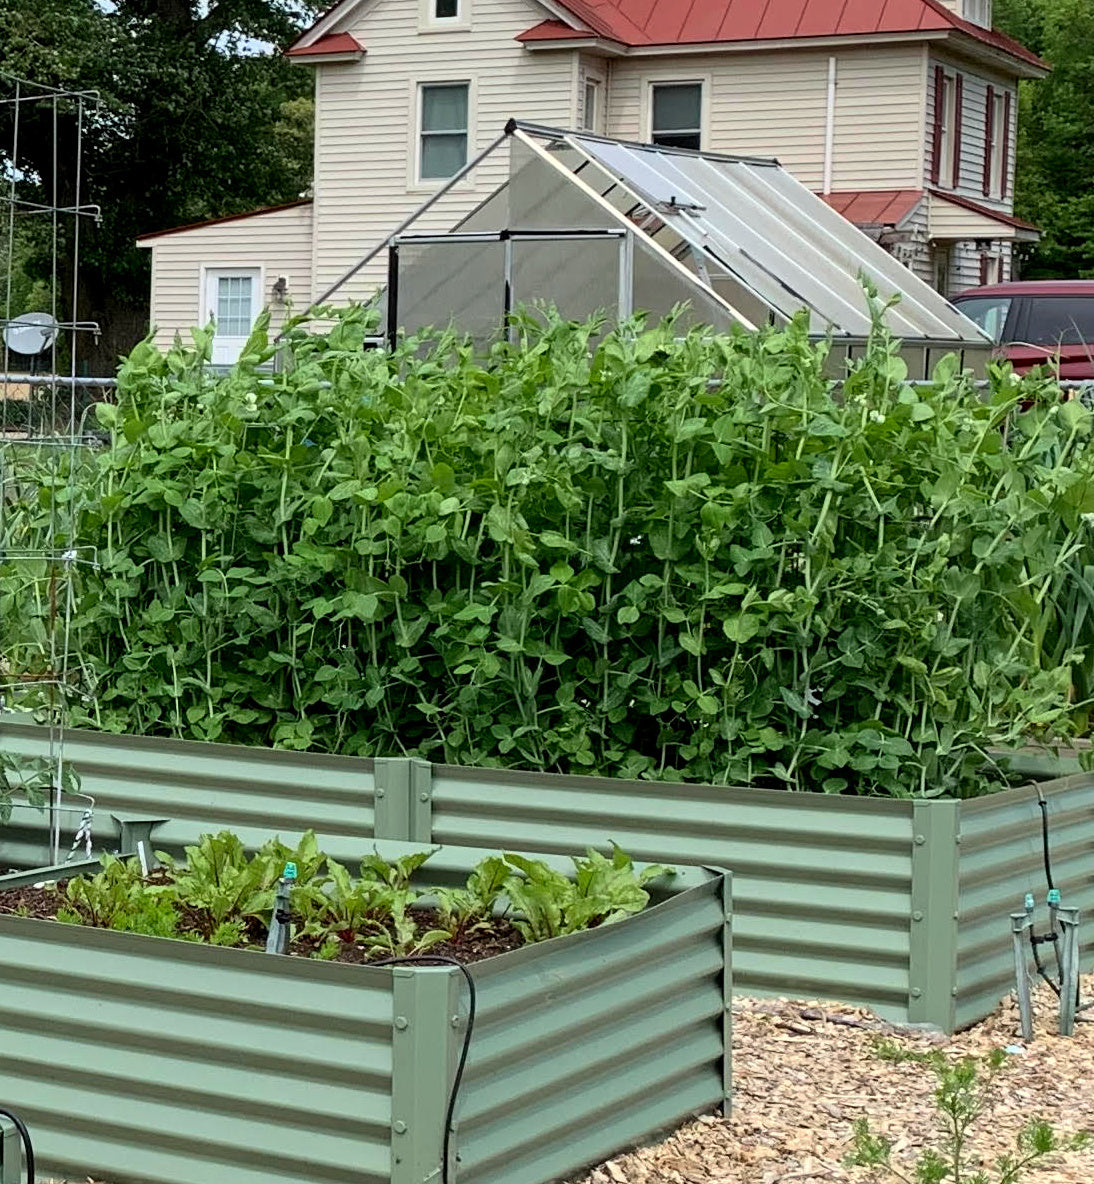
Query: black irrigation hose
x=1053, y=937
x=24, y=1134
x=438, y=960
x=1044, y=837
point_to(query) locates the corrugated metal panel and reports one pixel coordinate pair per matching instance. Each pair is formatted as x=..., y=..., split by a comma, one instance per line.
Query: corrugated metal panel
x=255, y=792
x=1001, y=860
x=198, y=1065
x=590, y=1044
x=822, y=891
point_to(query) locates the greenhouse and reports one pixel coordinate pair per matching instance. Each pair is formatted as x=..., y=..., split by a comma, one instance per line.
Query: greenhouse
x=591, y=225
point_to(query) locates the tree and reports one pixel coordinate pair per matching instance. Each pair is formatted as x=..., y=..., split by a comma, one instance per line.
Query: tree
x=200, y=117
x=1056, y=133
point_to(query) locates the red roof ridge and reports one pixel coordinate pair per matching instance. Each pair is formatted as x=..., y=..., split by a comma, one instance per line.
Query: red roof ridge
x=288, y=205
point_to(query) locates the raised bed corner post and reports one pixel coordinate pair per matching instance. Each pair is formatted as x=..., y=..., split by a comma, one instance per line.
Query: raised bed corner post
x=727, y=993
x=429, y=1018
x=404, y=799
x=932, y=962
x=11, y=1150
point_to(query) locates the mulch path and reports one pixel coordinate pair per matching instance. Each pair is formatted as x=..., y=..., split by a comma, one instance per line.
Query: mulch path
x=803, y=1072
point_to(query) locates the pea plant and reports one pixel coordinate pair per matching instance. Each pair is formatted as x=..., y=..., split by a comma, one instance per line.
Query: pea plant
x=647, y=554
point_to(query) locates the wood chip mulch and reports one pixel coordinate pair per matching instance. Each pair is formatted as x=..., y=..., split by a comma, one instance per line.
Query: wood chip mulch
x=803, y=1072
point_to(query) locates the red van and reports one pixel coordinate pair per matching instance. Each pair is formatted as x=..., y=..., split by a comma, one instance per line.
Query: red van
x=1038, y=321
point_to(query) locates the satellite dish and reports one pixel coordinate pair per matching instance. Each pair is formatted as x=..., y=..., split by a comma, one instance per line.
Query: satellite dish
x=31, y=333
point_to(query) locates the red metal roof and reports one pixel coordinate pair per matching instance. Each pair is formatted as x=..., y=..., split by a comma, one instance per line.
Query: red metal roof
x=553, y=31
x=653, y=22
x=877, y=207
x=983, y=211
x=332, y=43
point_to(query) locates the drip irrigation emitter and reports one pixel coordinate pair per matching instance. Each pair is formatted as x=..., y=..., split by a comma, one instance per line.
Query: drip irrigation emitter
x=1062, y=935
x=277, y=939
x=13, y=1131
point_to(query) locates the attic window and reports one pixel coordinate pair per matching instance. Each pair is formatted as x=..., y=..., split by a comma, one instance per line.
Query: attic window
x=446, y=10
x=978, y=12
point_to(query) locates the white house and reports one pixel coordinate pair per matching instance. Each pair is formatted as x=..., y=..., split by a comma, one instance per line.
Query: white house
x=902, y=113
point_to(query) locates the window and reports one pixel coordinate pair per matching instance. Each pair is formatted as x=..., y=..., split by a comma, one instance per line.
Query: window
x=978, y=12
x=946, y=167
x=590, y=112
x=232, y=300
x=1060, y=320
x=443, y=16
x=989, y=312
x=443, y=133
x=676, y=114
x=997, y=144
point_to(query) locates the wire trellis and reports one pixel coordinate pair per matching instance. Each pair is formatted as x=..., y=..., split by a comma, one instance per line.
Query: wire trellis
x=43, y=406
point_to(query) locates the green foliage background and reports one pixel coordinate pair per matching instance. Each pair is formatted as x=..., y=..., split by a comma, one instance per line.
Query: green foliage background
x=661, y=557
x=1056, y=134
x=200, y=117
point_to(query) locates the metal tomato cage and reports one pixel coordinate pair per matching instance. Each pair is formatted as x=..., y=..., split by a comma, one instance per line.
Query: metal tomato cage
x=593, y=225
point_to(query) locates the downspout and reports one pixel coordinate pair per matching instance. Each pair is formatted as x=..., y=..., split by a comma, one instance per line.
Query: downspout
x=830, y=126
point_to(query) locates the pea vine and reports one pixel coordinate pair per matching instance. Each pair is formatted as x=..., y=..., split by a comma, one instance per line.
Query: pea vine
x=644, y=554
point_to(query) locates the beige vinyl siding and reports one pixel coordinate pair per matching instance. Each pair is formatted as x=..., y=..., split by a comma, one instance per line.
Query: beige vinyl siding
x=878, y=111
x=278, y=242
x=775, y=104
x=974, y=113
x=592, y=69
x=366, y=122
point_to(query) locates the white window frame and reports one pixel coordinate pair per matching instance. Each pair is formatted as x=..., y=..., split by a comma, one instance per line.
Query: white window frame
x=977, y=12
x=703, y=81
x=415, y=180
x=429, y=22
x=1000, y=151
x=226, y=351
x=946, y=178
x=594, y=84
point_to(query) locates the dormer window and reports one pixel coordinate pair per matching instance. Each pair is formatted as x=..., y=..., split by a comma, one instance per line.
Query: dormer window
x=977, y=12
x=446, y=10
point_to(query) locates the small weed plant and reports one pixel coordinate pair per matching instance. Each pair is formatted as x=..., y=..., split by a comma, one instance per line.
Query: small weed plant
x=963, y=1095
x=222, y=895
x=656, y=554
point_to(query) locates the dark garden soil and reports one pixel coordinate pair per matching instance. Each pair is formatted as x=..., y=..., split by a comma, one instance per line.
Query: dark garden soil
x=497, y=937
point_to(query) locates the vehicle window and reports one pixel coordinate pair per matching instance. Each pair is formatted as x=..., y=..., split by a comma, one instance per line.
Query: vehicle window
x=989, y=312
x=1060, y=320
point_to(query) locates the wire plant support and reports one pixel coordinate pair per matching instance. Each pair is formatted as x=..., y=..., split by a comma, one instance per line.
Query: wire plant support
x=43, y=438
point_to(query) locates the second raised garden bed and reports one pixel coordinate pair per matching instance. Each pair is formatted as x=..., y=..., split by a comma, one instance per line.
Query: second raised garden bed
x=141, y=1059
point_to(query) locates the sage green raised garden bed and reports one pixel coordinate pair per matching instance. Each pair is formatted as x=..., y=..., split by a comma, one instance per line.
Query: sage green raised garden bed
x=150, y=1061
x=898, y=905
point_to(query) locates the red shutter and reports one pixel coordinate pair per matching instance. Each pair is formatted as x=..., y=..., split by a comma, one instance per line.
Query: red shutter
x=1005, y=146
x=958, y=104
x=989, y=140
x=983, y=270
x=939, y=117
